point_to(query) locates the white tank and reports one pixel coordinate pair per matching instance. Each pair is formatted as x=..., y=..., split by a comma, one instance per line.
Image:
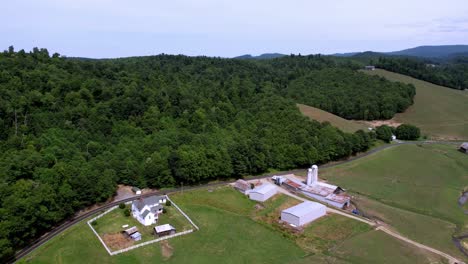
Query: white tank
x=309, y=177
x=314, y=174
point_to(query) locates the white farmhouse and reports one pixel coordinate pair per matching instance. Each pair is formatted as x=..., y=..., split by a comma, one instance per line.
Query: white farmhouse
x=147, y=210
x=263, y=192
x=303, y=213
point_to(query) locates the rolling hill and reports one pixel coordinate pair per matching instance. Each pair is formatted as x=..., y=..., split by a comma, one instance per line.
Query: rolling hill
x=441, y=113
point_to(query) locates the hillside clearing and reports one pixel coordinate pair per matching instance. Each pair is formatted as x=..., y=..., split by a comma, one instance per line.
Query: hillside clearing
x=440, y=112
x=417, y=185
x=324, y=116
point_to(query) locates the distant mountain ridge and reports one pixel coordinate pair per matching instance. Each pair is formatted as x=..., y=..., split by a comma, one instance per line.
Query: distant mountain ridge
x=263, y=56
x=432, y=51
x=429, y=52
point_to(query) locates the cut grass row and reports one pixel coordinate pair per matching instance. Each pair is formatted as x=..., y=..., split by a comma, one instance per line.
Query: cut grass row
x=233, y=230
x=349, y=126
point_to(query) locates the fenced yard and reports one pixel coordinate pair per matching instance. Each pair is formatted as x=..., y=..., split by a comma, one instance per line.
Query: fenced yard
x=108, y=227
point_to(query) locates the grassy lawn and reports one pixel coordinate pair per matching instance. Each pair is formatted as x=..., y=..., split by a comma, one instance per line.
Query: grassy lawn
x=324, y=116
x=439, y=111
x=416, y=187
x=232, y=230
x=112, y=223
x=395, y=251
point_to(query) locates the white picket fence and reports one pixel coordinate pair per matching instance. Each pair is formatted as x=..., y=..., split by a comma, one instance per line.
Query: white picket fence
x=147, y=242
x=150, y=242
x=94, y=231
x=182, y=212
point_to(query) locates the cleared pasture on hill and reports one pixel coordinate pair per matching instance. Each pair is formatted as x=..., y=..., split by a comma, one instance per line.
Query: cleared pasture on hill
x=439, y=111
x=233, y=231
x=425, y=180
x=324, y=116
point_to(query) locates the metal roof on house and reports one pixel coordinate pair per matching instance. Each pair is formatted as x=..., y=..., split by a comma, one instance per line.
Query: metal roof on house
x=464, y=145
x=145, y=213
x=152, y=200
x=263, y=189
x=163, y=228
x=304, y=208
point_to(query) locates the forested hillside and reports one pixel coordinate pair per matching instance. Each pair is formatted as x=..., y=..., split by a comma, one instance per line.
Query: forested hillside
x=72, y=129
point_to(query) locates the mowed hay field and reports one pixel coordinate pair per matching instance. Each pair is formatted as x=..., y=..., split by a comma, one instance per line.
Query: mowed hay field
x=414, y=188
x=440, y=112
x=233, y=230
x=324, y=116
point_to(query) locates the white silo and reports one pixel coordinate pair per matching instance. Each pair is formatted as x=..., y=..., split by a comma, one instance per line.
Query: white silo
x=309, y=177
x=314, y=174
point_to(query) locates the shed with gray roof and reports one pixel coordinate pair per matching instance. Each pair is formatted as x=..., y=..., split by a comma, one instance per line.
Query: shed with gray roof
x=263, y=192
x=303, y=213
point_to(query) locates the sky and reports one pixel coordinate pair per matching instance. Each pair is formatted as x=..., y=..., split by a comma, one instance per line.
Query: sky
x=122, y=28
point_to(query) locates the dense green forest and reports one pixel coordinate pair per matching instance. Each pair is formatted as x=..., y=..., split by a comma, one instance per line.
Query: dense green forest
x=72, y=129
x=451, y=72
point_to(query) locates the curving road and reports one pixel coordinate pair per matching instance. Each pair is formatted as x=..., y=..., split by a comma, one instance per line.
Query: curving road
x=74, y=220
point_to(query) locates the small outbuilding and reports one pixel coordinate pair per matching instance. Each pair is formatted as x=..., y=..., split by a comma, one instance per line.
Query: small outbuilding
x=136, y=236
x=464, y=147
x=369, y=68
x=263, y=192
x=303, y=213
x=164, y=230
x=242, y=186
x=136, y=190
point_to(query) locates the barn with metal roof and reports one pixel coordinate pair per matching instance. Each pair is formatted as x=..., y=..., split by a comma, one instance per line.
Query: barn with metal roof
x=263, y=192
x=303, y=213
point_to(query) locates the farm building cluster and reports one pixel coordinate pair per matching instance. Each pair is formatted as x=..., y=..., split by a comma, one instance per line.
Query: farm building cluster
x=307, y=211
x=321, y=191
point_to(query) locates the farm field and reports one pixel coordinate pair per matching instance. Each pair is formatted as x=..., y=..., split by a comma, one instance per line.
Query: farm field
x=324, y=116
x=234, y=230
x=440, y=112
x=415, y=189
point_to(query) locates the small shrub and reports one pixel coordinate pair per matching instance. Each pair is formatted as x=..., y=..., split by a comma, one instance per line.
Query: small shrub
x=164, y=210
x=127, y=212
x=94, y=223
x=122, y=206
x=168, y=203
x=384, y=133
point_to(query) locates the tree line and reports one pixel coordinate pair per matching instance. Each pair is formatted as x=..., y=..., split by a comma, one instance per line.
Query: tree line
x=451, y=73
x=72, y=129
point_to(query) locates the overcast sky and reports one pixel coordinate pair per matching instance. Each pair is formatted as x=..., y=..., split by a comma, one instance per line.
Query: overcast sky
x=119, y=28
